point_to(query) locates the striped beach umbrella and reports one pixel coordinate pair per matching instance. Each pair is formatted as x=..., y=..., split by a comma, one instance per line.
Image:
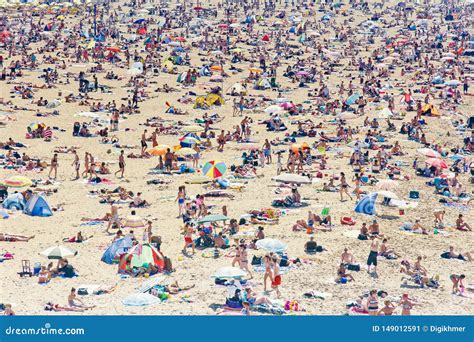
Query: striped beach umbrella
x=16, y=182
x=214, y=169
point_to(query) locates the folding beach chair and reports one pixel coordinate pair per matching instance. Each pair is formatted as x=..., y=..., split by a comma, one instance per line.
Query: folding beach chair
x=25, y=268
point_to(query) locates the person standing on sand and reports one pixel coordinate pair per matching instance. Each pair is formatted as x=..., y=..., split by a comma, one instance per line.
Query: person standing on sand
x=267, y=151
x=92, y=167
x=114, y=218
x=154, y=135
x=121, y=164
x=86, y=165
x=77, y=164
x=372, y=259
x=276, y=280
x=54, y=166
x=143, y=143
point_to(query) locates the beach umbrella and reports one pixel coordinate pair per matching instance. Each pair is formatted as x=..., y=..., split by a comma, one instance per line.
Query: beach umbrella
x=53, y=104
x=366, y=205
x=139, y=21
x=58, y=252
x=291, y=178
x=447, y=175
x=134, y=221
x=113, y=49
x=185, y=151
x=214, y=169
x=192, y=129
x=452, y=83
x=212, y=218
x=385, y=113
x=347, y=116
x=229, y=272
x=255, y=70
x=428, y=152
x=157, y=151
x=439, y=163
x=248, y=147
x=302, y=73
x=387, y=194
x=273, y=109
x=215, y=68
x=190, y=141
x=387, y=184
x=141, y=299
x=272, y=245
x=352, y=99
x=16, y=182
x=299, y=146
x=287, y=105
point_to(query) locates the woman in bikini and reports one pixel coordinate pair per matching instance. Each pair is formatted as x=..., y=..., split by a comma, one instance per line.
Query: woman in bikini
x=388, y=309
x=406, y=305
x=243, y=260
x=54, y=166
x=373, y=303
x=181, y=198
x=268, y=271
x=343, y=187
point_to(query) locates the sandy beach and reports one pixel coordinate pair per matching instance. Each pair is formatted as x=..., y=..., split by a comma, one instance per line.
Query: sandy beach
x=329, y=51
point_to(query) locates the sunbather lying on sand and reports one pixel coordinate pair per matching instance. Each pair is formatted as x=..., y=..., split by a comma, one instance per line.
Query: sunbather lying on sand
x=14, y=237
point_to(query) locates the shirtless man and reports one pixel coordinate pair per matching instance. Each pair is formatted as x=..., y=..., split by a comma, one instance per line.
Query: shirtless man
x=374, y=229
x=374, y=250
x=143, y=143
x=121, y=164
x=347, y=257
x=114, y=217
x=76, y=163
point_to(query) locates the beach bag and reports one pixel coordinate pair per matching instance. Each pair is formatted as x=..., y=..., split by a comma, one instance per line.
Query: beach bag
x=256, y=260
x=168, y=265
x=414, y=194
x=319, y=248
x=284, y=261
x=355, y=268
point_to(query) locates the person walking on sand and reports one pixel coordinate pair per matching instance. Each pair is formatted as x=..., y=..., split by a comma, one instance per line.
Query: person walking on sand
x=77, y=164
x=54, y=166
x=343, y=187
x=121, y=164
x=372, y=259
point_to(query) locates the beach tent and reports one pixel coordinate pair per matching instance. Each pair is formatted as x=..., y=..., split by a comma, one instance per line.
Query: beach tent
x=429, y=109
x=205, y=71
x=181, y=77
x=117, y=248
x=266, y=38
x=214, y=99
x=262, y=84
x=237, y=89
x=37, y=206
x=367, y=204
x=141, y=255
